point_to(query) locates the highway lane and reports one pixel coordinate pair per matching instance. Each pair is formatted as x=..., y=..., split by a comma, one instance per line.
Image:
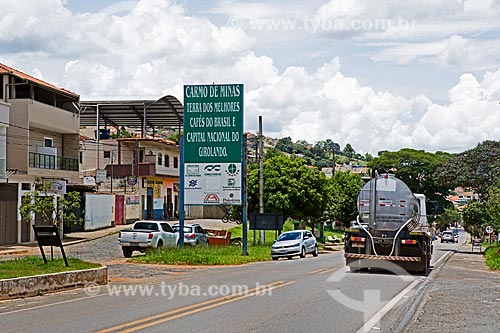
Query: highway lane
x=315, y=294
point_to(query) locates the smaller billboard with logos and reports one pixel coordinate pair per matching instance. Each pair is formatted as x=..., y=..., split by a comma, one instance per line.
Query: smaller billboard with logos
x=212, y=183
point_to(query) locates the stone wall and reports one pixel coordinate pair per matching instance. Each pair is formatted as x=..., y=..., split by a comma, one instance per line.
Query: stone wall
x=40, y=284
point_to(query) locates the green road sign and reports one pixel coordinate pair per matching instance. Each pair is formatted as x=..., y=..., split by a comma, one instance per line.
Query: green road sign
x=213, y=138
x=213, y=123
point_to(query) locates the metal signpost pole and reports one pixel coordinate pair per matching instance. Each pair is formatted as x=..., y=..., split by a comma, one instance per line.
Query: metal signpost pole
x=261, y=178
x=181, y=193
x=244, y=197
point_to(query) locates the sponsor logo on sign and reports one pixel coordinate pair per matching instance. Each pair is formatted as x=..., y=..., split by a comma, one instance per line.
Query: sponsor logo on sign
x=193, y=170
x=231, y=182
x=193, y=183
x=232, y=170
x=212, y=170
x=211, y=198
x=211, y=167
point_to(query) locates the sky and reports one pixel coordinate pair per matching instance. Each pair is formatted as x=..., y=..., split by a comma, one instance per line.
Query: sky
x=378, y=74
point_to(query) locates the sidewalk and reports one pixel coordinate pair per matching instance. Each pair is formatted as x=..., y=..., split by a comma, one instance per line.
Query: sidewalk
x=70, y=239
x=463, y=296
x=84, y=236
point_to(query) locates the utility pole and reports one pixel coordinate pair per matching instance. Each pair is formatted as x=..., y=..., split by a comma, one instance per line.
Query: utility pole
x=261, y=178
x=112, y=155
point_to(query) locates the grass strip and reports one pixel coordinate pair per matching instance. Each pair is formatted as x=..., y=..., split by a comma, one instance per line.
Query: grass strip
x=206, y=255
x=31, y=265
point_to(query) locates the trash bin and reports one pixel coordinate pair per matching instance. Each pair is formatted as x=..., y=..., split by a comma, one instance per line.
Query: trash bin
x=296, y=225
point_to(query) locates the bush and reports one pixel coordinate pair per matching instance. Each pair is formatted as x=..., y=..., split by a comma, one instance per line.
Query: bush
x=492, y=254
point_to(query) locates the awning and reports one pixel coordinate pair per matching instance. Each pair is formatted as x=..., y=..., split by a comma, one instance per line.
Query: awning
x=166, y=112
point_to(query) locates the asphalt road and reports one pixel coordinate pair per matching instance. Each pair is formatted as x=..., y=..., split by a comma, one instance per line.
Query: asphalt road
x=311, y=294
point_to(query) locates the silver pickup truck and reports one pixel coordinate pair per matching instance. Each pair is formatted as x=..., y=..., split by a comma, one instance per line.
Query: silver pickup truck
x=145, y=235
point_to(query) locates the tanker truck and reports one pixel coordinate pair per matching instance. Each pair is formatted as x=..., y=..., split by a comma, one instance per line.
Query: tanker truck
x=391, y=226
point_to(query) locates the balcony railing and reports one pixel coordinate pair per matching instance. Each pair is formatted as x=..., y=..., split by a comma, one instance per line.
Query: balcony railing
x=42, y=161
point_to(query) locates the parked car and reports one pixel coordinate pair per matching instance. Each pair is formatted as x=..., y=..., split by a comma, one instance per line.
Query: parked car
x=292, y=243
x=145, y=235
x=447, y=237
x=193, y=234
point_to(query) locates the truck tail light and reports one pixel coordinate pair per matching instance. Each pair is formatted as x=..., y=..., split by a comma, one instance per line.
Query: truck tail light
x=150, y=236
x=357, y=239
x=409, y=241
x=120, y=234
x=190, y=236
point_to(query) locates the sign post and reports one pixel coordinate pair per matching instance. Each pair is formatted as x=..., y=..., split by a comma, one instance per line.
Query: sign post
x=489, y=231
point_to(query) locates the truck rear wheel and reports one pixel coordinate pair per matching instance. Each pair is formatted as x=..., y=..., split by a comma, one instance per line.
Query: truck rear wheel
x=127, y=251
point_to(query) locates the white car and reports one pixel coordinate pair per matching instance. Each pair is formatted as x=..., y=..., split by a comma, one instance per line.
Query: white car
x=145, y=235
x=293, y=243
x=193, y=234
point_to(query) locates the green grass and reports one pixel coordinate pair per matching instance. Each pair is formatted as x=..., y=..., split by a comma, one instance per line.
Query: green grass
x=493, y=257
x=29, y=266
x=271, y=234
x=206, y=255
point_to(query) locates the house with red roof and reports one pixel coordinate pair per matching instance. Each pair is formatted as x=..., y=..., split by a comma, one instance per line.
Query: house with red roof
x=39, y=137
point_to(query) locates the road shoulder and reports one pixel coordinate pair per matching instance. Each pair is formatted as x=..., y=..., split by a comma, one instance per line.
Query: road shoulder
x=462, y=296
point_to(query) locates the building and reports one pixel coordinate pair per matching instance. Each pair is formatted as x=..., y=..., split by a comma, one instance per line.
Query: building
x=39, y=137
x=141, y=173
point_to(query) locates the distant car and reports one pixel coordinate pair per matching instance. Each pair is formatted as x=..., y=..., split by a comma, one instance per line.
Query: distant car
x=293, y=243
x=447, y=237
x=194, y=234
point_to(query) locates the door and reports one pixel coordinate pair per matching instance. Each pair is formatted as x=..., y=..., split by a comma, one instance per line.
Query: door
x=169, y=235
x=149, y=204
x=8, y=214
x=119, y=209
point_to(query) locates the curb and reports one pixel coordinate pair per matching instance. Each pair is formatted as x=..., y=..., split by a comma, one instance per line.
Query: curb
x=47, y=283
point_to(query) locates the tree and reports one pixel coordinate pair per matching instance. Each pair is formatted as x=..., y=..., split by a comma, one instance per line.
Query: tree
x=272, y=152
x=476, y=168
x=476, y=217
x=447, y=218
x=343, y=190
x=348, y=151
x=417, y=168
x=42, y=202
x=290, y=187
x=174, y=136
x=493, y=206
x=285, y=145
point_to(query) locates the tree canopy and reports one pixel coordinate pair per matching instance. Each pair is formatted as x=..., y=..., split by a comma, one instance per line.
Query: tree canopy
x=417, y=169
x=477, y=168
x=343, y=190
x=290, y=187
x=51, y=209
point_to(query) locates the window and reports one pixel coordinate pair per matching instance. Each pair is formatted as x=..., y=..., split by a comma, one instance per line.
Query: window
x=107, y=154
x=176, y=162
x=166, y=227
x=26, y=186
x=48, y=142
x=81, y=156
x=167, y=161
x=160, y=159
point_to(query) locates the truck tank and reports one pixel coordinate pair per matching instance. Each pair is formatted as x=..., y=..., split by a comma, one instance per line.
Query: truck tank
x=386, y=203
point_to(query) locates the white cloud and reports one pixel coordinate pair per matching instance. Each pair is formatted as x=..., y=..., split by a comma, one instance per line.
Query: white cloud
x=153, y=48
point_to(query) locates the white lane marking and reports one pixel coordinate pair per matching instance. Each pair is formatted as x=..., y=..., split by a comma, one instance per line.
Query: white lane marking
x=51, y=304
x=435, y=264
x=381, y=313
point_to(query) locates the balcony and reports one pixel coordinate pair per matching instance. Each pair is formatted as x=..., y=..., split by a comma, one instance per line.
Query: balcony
x=43, y=161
